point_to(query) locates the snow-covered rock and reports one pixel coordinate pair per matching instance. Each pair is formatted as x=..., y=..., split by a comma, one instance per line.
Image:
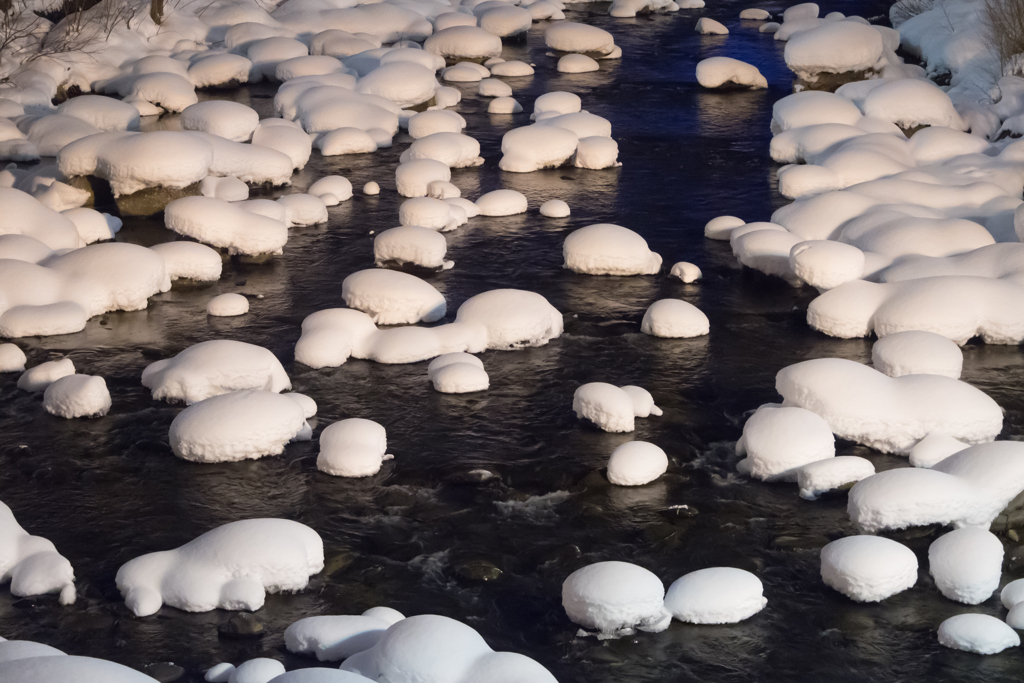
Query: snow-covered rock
x=636, y=463
x=215, y=367
x=779, y=440
x=674, y=318
x=532, y=148
x=715, y=72
x=607, y=249
x=554, y=208
x=392, y=297
x=225, y=225
x=67, y=668
x=32, y=564
x=469, y=42
x=567, y=36
x=38, y=377
x=414, y=177
x=337, y=637
x=966, y=564
x=190, y=261
x=978, y=633
x=77, y=396
x=458, y=373
x=821, y=476
x=916, y=352
x=717, y=595
x=502, y=203
x=838, y=47
x=228, y=305
x=615, y=599
x=708, y=26
x=612, y=408
x=353, y=448
x=12, y=358
x=230, y=120
x=912, y=102
x=685, y=271
x=230, y=567
x=868, y=568
x=411, y=244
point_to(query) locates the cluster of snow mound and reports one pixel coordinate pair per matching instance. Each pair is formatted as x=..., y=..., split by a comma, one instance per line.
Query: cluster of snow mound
x=238, y=425
x=780, y=440
x=674, y=319
x=336, y=637
x=966, y=564
x=979, y=633
x=917, y=353
x=227, y=305
x=231, y=567
x=498, y=319
x=212, y=368
x=822, y=476
x=77, y=396
x=392, y=297
x=968, y=488
x=32, y=564
x=353, y=448
x=890, y=414
x=636, y=463
x=458, y=373
x=615, y=599
x=411, y=244
x=613, y=408
x=607, y=249
x=717, y=595
x=868, y=568
x=225, y=225
x=61, y=292
x=429, y=647
x=716, y=72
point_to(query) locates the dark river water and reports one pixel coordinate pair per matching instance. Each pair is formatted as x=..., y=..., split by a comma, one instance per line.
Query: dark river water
x=415, y=536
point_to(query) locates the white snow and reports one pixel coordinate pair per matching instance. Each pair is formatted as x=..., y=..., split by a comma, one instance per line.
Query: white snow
x=721, y=228
x=225, y=225
x=458, y=373
x=411, y=244
x=454, y=150
x=821, y=476
x=636, y=463
x=230, y=567
x=607, y=249
x=77, y=396
x=337, y=637
x=911, y=102
x=502, y=203
x=12, y=358
x=353, y=448
x=687, y=272
x=612, y=408
x=212, y=368
x=674, y=318
x=413, y=178
x=714, y=72
x=332, y=189
x=778, y=440
x=258, y=670
x=868, y=568
x=567, y=36
x=554, y=208
x=834, y=47
x=576, y=64
x=230, y=120
x=966, y=564
x=392, y=297
x=616, y=599
x=935, y=448
x=917, y=353
x=32, y=564
x=435, y=121
x=716, y=595
x=103, y=113
x=37, y=378
x=469, y=42
x=978, y=633
x=190, y=260
x=79, y=669
x=226, y=305
x=532, y=148
x=708, y=26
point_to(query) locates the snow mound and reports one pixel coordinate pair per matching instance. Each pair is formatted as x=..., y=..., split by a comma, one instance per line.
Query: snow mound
x=554, y=208
x=212, y=368
x=868, y=568
x=435, y=121
x=337, y=637
x=458, y=373
x=103, y=113
x=778, y=440
x=532, y=148
x=636, y=463
x=966, y=564
x=303, y=209
x=229, y=120
x=911, y=102
x=226, y=226
x=24, y=215
x=577, y=64
x=502, y=203
x=886, y=413
x=12, y=358
x=79, y=669
x=715, y=72
x=227, y=305
x=219, y=71
x=708, y=26
x=826, y=264
x=687, y=272
x=978, y=633
x=258, y=670
x=37, y=378
x=405, y=83
x=353, y=448
x=414, y=177
x=674, y=318
x=717, y=595
x=607, y=249
x=411, y=244
x=332, y=189
x=77, y=396
x=567, y=36
x=810, y=108
x=92, y=225
x=612, y=408
x=917, y=353
x=616, y=599
x=392, y=297
x=512, y=69
x=190, y=261
x=429, y=647
x=835, y=47
x=935, y=448
x=463, y=42
x=231, y=567
x=506, y=21
x=821, y=476
x=32, y=565
x=454, y=150
x=288, y=138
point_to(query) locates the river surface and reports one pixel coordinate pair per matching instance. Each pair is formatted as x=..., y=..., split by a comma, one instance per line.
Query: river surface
x=416, y=536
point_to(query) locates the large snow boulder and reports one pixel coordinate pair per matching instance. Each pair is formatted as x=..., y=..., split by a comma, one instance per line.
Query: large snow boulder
x=615, y=599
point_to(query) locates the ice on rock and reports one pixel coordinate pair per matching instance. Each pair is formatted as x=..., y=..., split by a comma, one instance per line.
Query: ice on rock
x=231, y=567
x=455, y=150
x=966, y=564
x=868, y=568
x=78, y=669
x=413, y=177
x=554, y=208
x=411, y=244
x=353, y=448
x=716, y=72
x=606, y=249
x=917, y=353
x=225, y=225
x=230, y=120
x=37, y=378
x=674, y=319
x=435, y=121
x=810, y=108
x=212, y=368
x=463, y=42
x=615, y=599
x=912, y=102
x=717, y=595
x=576, y=64
x=567, y=36
x=778, y=440
x=636, y=463
x=502, y=203
x=227, y=305
x=337, y=637
x=821, y=476
x=429, y=647
x=332, y=189
x=238, y=425
x=612, y=408
x=77, y=396
x=32, y=565
x=833, y=48
x=532, y=148
x=103, y=113
x=886, y=413
x=12, y=358
x=458, y=373
x=935, y=448
x=190, y=261
x=303, y=209
x=392, y=297
x=721, y=228
x=978, y=633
